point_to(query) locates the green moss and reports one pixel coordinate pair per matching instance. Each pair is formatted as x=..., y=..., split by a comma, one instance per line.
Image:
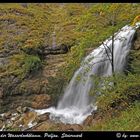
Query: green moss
x=31, y=64
x=120, y=93
x=22, y=65
x=119, y=105
x=127, y=121
x=25, y=31
x=135, y=62
x=94, y=26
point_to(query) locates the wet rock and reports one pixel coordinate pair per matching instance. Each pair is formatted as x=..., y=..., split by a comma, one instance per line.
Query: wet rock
x=62, y=49
x=25, y=109
x=28, y=117
x=47, y=125
x=16, y=117
x=19, y=109
x=43, y=117
x=24, y=121
x=18, y=123
x=2, y=118
x=1, y=124
x=7, y=115
x=9, y=124
x=41, y=101
x=88, y=120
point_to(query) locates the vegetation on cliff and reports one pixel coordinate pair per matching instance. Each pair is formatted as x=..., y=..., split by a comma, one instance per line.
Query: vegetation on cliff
x=26, y=68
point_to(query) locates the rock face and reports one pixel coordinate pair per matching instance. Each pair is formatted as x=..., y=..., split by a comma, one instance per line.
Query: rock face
x=62, y=49
x=30, y=120
x=41, y=101
x=37, y=91
x=137, y=41
x=20, y=119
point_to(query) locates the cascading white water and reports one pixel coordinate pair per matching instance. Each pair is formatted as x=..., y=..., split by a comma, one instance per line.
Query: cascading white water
x=76, y=103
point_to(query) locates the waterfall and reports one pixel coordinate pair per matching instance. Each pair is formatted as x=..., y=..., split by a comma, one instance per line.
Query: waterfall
x=76, y=103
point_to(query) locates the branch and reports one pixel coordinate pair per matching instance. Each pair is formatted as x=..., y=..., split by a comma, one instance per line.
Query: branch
x=101, y=61
x=107, y=53
x=98, y=62
x=107, y=47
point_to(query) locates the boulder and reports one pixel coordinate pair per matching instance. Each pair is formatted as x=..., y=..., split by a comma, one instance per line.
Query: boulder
x=19, y=109
x=28, y=117
x=43, y=117
x=7, y=115
x=25, y=109
x=42, y=126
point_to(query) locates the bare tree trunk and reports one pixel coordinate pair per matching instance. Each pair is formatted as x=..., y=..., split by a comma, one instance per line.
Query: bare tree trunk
x=113, y=69
x=112, y=54
x=111, y=51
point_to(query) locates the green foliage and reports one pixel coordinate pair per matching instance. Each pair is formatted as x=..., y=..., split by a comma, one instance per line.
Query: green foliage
x=136, y=19
x=135, y=62
x=119, y=104
x=26, y=30
x=22, y=65
x=30, y=28
x=98, y=23
x=31, y=63
x=128, y=120
x=120, y=91
x=33, y=46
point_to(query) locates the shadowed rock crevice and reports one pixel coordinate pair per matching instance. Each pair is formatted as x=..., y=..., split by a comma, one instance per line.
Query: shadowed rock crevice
x=62, y=49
